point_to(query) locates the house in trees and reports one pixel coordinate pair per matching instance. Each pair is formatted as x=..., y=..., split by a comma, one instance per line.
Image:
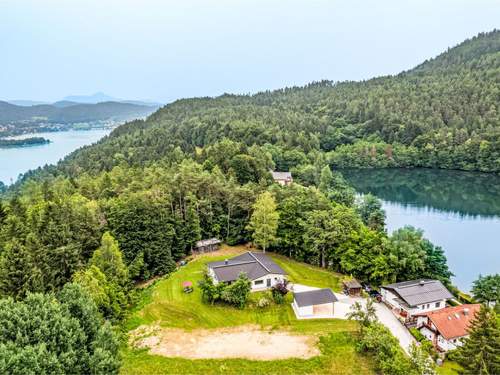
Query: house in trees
x=410, y=298
x=282, y=178
x=206, y=246
x=262, y=271
x=446, y=328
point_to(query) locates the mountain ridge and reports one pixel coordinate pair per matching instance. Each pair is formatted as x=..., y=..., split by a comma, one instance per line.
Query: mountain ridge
x=444, y=113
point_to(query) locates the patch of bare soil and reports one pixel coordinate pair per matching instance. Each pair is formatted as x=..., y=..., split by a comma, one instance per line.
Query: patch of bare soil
x=239, y=342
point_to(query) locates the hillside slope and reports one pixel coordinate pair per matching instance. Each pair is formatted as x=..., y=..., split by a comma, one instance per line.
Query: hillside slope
x=71, y=112
x=444, y=114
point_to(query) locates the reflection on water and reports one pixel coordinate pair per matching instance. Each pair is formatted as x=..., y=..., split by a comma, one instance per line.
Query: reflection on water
x=459, y=211
x=464, y=193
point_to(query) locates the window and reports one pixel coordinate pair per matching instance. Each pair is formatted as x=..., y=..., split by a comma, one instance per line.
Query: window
x=438, y=304
x=268, y=282
x=258, y=282
x=428, y=305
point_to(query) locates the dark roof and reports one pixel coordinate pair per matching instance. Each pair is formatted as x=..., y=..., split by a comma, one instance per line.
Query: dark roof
x=417, y=292
x=282, y=175
x=314, y=297
x=254, y=265
x=352, y=284
x=207, y=242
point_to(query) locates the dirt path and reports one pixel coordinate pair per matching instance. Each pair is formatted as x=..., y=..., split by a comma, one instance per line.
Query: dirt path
x=239, y=342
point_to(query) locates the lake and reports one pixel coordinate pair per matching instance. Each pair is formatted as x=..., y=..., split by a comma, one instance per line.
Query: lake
x=16, y=160
x=459, y=211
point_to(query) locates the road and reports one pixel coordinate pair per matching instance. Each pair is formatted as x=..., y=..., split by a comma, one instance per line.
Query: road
x=384, y=315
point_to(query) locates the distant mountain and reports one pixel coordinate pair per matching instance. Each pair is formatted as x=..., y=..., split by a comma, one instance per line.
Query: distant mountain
x=70, y=112
x=26, y=103
x=64, y=103
x=98, y=97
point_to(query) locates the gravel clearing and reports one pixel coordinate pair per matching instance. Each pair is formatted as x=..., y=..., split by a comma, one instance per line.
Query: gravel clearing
x=249, y=342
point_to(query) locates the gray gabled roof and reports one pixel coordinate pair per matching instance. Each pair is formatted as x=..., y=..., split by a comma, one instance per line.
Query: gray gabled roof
x=314, y=297
x=207, y=242
x=254, y=265
x=418, y=292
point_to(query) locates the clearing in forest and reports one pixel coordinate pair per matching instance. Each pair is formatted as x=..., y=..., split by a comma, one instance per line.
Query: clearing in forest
x=174, y=332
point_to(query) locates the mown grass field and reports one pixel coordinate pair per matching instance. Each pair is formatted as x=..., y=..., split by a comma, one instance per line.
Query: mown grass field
x=165, y=304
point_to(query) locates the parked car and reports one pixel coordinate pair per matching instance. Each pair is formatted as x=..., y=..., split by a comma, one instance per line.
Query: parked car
x=375, y=295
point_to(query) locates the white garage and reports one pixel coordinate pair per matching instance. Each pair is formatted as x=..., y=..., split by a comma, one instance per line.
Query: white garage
x=314, y=304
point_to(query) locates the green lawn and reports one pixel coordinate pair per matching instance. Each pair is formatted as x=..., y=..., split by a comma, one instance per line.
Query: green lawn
x=165, y=304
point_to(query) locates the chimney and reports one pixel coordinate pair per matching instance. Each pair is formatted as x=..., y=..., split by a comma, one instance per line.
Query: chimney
x=226, y=262
x=422, y=282
x=466, y=311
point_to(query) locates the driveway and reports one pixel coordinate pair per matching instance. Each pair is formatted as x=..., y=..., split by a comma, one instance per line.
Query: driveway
x=387, y=318
x=384, y=315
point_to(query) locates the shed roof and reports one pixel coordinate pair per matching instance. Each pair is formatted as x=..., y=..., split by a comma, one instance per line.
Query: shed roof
x=417, y=292
x=254, y=265
x=314, y=297
x=282, y=175
x=207, y=242
x=452, y=322
x=352, y=284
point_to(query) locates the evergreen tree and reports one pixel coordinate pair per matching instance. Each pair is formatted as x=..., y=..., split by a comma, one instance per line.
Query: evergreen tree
x=480, y=353
x=16, y=270
x=192, y=224
x=486, y=289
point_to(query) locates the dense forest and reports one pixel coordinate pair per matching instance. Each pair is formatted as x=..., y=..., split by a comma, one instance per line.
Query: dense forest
x=131, y=206
x=444, y=114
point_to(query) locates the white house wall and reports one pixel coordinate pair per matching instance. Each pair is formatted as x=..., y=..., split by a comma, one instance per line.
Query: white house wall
x=275, y=279
x=390, y=298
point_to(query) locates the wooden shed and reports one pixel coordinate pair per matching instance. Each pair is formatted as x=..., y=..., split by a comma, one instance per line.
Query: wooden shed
x=352, y=287
x=206, y=246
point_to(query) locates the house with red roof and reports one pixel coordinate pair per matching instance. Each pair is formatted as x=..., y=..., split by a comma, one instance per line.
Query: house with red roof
x=447, y=327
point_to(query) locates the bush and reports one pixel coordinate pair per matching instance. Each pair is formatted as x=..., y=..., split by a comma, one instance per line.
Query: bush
x=263, y=302
x=417, y=334
x=279, y=291
x=237, y=293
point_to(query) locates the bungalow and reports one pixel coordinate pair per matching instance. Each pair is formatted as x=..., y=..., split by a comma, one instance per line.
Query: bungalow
x=409, y=298
x=258, y=267
x=446, y=328
x=282, y=178
x=316, y=303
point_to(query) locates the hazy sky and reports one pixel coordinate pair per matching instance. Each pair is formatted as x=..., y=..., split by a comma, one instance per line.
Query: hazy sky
x=162, y=50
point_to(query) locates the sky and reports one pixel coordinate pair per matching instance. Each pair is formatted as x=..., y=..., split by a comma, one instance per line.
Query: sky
x=163, y=50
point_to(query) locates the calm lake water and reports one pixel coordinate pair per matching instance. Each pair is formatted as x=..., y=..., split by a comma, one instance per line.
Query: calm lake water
x=16, y=160
x=459, y=211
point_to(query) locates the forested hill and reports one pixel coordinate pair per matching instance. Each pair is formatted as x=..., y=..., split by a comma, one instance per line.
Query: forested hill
x=444, y=113
x=69, y=112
